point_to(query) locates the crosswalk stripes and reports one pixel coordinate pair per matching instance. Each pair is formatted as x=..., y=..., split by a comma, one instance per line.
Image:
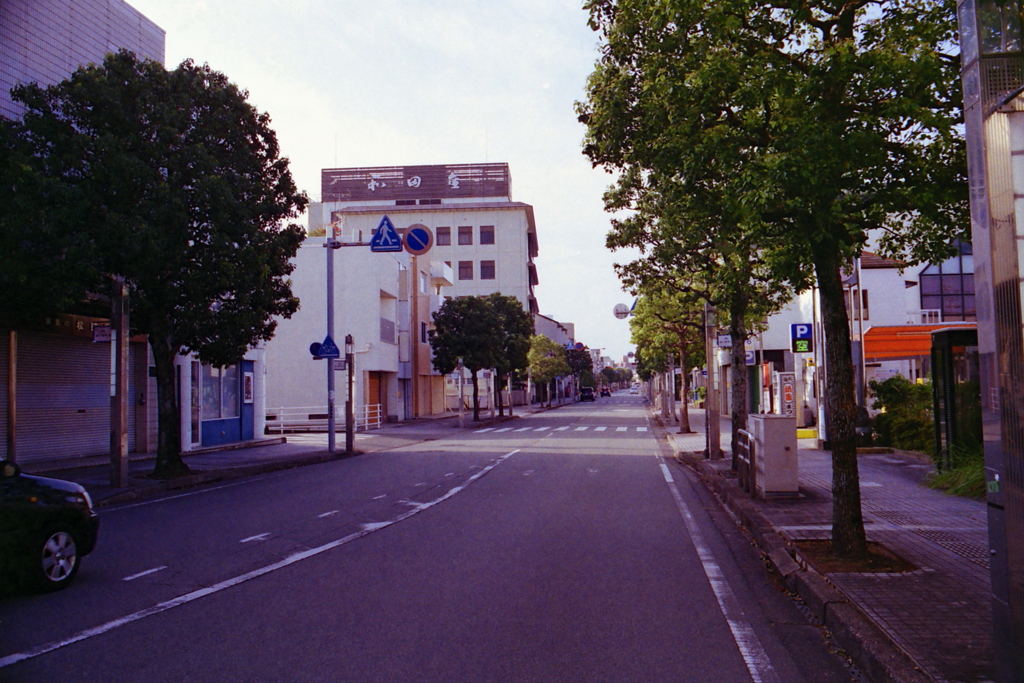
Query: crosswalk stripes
x=581, y=428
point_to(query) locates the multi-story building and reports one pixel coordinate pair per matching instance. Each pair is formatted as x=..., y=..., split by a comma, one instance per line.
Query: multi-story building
x=488, y=240
x=58, y=403
x=44, y=41
x=481, y=242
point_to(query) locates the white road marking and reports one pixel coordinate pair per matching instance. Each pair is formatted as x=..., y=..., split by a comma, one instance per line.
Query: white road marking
x=229, y=583
x=327, y=514
x=541, y=429
x=621, y=429
x=582, y=429
x=524, y=429
x=753, y=653
x=600, y=429
x=641, y=429
x=485, y=429
x=257, y=537
x=561, y=429
x=379, y=497
x=145, y=573
x=503, y=429
x=869, y=483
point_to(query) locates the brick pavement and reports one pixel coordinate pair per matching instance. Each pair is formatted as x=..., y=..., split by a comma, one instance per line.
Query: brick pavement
x=939, y=614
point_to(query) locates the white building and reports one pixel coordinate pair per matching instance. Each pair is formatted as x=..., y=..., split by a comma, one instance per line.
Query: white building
x=481, y=242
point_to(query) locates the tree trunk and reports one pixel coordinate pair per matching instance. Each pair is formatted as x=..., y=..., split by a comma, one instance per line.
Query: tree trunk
x=848, y=538
x=501, y=403
x=738, y=305
x=684, y=394
x=476, y=397
x=168, y=449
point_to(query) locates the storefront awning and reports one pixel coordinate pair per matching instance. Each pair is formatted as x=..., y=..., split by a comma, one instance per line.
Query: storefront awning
x=903, y=341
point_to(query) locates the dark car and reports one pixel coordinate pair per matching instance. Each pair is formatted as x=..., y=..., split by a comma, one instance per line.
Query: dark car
x=605, y=391
x=46, y=527
x=587, y=394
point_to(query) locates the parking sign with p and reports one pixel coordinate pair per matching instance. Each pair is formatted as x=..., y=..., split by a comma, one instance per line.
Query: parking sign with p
x=802, y=336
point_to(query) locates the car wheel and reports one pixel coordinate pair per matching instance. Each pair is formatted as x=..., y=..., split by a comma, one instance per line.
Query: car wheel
x=56, y=561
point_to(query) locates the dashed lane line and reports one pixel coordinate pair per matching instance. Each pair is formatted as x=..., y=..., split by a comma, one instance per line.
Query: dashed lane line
x=242, y=578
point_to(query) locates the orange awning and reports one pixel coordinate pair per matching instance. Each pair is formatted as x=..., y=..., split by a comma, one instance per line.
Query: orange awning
x=903, y=341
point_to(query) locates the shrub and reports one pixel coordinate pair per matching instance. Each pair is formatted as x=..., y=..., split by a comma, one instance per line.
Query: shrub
x=906, y=421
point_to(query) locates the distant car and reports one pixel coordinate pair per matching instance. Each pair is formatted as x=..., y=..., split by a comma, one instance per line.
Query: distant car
x=605, y=391
x=634, y=390
x=587, y=394
x=46, y=527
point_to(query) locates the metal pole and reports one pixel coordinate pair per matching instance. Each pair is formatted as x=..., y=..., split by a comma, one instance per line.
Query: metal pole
x=350, y=425
x=12, y=396
x=119, y=401
x=461, y=397
x=330, y=332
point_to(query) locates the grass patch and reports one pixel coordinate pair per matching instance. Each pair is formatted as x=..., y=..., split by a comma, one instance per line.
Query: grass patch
x=966, y=479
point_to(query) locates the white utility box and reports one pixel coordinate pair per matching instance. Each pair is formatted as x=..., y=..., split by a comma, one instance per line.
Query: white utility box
x=775, y=455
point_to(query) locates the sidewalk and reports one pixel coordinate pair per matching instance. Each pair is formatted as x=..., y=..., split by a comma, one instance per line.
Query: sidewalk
x=931, y=624
x=234, y=461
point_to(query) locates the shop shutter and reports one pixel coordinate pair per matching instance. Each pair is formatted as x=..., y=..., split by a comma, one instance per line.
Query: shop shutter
x=63, y=397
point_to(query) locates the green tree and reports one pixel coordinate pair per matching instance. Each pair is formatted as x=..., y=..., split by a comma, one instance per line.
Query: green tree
x=176, y=183
x=516, y=327
x=547, y=362
x=581, y=365
x=672, y=322
x=836, y=118
x=466, y=328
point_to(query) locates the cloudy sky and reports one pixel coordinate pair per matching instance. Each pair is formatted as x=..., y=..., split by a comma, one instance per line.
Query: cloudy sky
x=398, y=82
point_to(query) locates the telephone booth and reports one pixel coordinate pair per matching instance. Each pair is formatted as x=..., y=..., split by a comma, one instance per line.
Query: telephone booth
x=956, y=390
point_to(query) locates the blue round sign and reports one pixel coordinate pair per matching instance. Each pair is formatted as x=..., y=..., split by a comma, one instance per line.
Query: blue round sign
x=418, y=239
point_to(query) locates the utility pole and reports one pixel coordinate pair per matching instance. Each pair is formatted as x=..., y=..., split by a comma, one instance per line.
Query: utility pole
x=119, y=398
x=711, y=420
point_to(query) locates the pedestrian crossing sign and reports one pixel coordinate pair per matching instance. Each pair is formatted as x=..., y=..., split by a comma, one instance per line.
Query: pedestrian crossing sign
x=385, y=237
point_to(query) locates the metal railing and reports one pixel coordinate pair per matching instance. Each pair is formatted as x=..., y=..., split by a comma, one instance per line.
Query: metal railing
x=746, y=464
x=314, y=419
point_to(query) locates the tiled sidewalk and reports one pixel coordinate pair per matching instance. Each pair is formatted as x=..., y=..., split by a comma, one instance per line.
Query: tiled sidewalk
x=939, y=614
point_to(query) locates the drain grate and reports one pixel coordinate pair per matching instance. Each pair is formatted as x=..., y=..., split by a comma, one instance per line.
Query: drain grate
x=895, y=517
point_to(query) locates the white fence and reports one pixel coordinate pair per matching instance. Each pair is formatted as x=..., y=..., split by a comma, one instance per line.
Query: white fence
x=314, y=419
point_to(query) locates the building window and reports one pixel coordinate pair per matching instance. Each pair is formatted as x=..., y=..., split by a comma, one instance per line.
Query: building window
x=424, y=338
x=430, y=201
x=465, y=234
x=405, y=202
x=949, y=287
x=487, y=270
x=220, y=392
x=486, y=234
x=444, y=237
x=465, y=270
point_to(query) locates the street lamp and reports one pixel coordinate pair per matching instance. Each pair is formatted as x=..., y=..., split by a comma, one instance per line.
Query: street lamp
x=349, y=422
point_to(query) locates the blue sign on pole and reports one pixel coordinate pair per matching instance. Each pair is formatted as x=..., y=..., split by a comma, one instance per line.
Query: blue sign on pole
x=329, y=349
x=802, y=336
x=418, y=239
x=385, y=238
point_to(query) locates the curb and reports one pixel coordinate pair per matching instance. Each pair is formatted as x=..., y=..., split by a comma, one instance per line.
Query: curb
x=874, y=653
x=226, y=474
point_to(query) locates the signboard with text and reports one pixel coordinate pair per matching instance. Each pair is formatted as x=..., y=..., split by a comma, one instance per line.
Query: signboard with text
x=802, y=336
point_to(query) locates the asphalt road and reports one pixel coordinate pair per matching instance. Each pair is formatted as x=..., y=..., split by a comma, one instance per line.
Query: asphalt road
x=557, y=547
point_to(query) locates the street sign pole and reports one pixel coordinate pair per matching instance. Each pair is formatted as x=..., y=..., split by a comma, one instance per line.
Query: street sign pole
x=331, y=244
x=350, y=423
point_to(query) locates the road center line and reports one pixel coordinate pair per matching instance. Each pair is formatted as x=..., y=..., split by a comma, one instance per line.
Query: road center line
x=242, y=578
x=753, y=653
